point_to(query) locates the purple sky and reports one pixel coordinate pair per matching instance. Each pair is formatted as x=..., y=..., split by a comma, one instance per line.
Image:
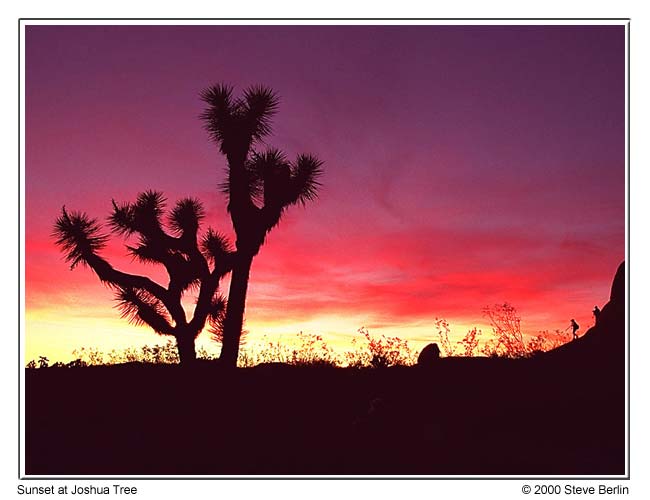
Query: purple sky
x=464, y=165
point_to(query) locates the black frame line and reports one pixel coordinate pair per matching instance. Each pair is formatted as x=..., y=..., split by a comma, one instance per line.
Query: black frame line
x=627, y=256
x=324, y=19
x=20, y=274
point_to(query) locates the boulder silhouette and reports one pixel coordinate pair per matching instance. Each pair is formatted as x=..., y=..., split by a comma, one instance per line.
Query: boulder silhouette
x=618, y=286
x=429, y=355
x=603, y=345
x=616, y=305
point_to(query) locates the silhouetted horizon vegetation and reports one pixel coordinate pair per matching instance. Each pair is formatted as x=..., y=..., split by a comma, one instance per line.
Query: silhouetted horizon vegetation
x=515, y=412
x=369, y=350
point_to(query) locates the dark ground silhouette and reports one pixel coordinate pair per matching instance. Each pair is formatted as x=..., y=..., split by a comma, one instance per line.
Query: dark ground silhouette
x=559, y=413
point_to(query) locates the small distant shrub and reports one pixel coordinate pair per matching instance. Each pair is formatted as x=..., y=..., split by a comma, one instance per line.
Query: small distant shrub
x=245, y=359
x=506, y=325
x=358, y=357
x=387, y=351
x=77, y=363
x=442, y=326
x=160, y=354
x=272, y=352
x=470, y=342
x=312, y=350
x=554, y=339
x=155, y=354
x=202, y=353
x=538, y=343
x=490, y=349
x=509, y=340
x=89, y=356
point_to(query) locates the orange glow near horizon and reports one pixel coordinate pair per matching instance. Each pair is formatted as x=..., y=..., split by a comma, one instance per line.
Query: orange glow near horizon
x=57, y=332
x=332, y=295
x=463, y=166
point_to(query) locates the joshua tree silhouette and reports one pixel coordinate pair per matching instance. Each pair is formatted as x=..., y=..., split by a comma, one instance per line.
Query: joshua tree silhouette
x=260, y=186
x=190, y=265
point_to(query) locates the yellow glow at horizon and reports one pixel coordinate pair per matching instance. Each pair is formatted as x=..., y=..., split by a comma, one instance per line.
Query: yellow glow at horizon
x=56, y=333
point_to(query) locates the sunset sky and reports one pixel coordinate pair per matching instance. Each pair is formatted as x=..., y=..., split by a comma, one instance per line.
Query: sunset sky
x=464, y=166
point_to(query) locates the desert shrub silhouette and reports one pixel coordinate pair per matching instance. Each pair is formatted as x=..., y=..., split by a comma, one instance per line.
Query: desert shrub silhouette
x=509, y=340
x=260, y=186
x=442, y=327
x=306, y=350
x=385, y=351
x=506, y=325
x=470, y=342
x=190, y=264
x=303, y=350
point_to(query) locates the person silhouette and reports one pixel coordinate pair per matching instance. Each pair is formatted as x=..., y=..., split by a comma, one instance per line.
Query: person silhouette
x=596, y=312
x=574, y=326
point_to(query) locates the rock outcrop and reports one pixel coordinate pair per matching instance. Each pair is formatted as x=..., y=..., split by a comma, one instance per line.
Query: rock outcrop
x=429, y=356
x=603, y=344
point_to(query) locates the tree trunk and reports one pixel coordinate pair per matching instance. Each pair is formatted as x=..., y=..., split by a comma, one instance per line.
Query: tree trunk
x=234, y=320
x=186, y=349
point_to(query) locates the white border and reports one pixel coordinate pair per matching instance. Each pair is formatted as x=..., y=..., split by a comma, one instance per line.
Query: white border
x=272, y=484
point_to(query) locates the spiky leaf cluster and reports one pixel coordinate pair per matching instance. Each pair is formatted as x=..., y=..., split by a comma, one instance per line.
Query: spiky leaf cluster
x=141, y=217
x=140, y=307
x=176, y=250
x=260, y=185
x=235, y=124
x=280, y=183
x=79, y=236
x=185, y=218
x=139, y=299
x=216, y=246
x=216, y=318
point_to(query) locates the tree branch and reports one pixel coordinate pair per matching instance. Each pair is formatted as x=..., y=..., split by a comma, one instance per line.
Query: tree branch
x=108, y=274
